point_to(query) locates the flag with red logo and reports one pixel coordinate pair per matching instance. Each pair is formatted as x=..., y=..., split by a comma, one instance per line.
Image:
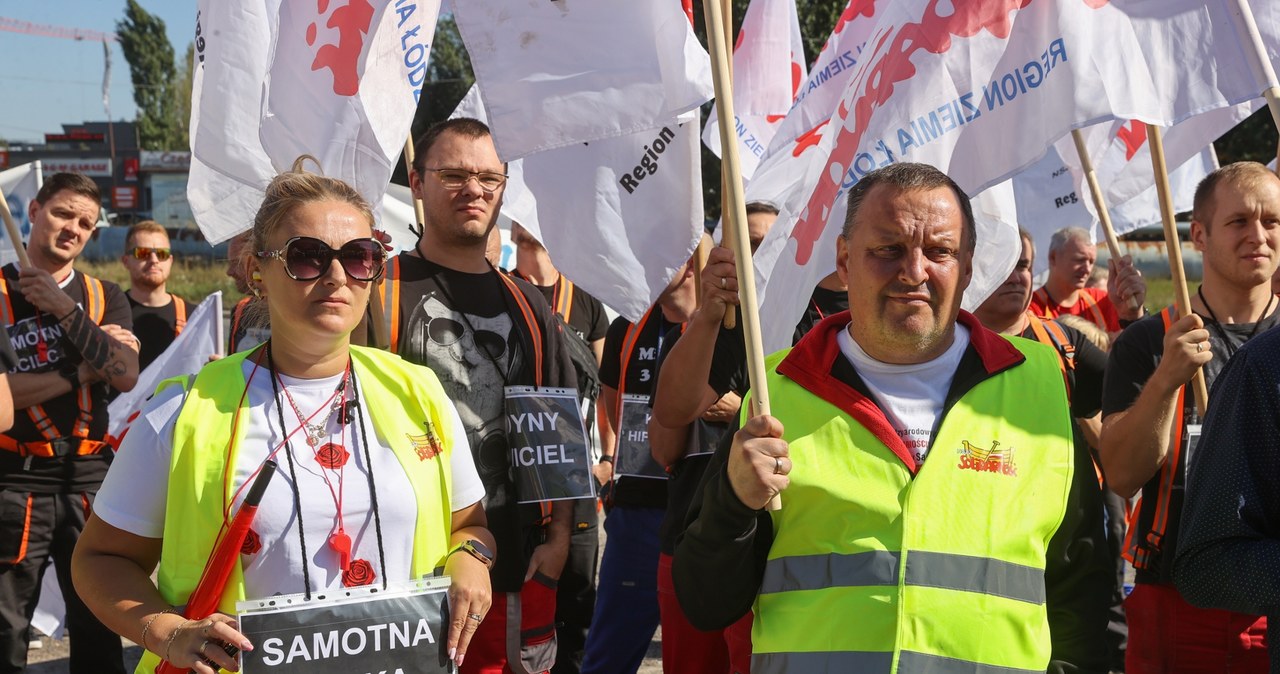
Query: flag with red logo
x=559, y=72
x=981, y=90
x=18, y=187
x=768, y=68
x=335, y=79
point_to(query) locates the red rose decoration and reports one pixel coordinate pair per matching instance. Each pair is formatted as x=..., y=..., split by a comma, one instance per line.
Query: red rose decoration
x=360, y=572
x=252, y=543
x=332, y=456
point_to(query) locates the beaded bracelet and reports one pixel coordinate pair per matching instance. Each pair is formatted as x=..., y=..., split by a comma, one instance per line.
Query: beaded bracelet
x=168, y=644
x=147, y=627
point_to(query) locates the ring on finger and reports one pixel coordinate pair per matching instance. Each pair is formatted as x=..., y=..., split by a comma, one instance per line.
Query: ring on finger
x=1199, y=347
x=724, y=283
x=777, y=465
x=476, y=617
x=203, y=645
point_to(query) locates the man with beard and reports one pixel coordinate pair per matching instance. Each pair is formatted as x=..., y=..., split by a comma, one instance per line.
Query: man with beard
x=1151, y=427
x=481, y=331
x=158, y=315
x=71, y=334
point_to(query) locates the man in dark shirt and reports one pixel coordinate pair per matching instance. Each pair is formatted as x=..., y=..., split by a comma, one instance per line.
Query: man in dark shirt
x=626, y=614
x=1229, y=551
x=71, y=335
x=1151, y=424
x=584, y=314
x=481, y=331
x=158, y=315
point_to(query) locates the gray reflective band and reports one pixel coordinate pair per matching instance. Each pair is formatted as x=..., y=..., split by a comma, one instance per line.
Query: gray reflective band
x=816, y=572
x=843, y=661
x=920, y=663
x=976, y=574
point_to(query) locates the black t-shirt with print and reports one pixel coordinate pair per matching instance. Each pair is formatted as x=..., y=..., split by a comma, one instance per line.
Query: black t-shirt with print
x=1133, y=358
x=823, y=303
x=642, y=370
x=155, y=328
x=470, y=331
x=30, y=330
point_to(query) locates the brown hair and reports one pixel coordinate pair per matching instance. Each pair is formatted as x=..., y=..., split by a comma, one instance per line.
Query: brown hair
x=144, y=226
x=761, y=207
x=466, y=127
x=1245, y=174
x=77, y=183
x=911, y=176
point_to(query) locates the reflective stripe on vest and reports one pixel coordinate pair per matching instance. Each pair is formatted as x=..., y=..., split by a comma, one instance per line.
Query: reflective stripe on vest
x=399, y=398
x=1141, y=548
x=95, y=308
x=874, y=570
x=179, y=314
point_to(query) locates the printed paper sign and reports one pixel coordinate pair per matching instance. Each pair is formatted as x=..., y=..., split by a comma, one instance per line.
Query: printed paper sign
x=633, y=458
x=395, y=632
x=548, y=442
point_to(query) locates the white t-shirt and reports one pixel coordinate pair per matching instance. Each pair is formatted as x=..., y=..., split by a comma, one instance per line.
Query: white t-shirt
x=133, y=495
x=911, y=396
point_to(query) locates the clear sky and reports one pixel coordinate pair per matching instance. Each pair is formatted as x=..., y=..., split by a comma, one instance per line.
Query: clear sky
x=50, y=81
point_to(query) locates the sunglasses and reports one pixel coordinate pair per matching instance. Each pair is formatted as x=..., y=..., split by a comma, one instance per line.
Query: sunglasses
x=454, y=179
x=143, y=252
x=306, y=258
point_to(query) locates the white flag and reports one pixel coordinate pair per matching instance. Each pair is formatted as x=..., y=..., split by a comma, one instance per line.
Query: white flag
x=620, y=216
x=277, y=80
x=18, y=186
x=768, y=67
x=980, y=91
x=557, y=73
x=201, y=338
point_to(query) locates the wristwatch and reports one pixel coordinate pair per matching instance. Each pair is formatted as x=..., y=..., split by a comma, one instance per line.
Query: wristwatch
x=476, y=549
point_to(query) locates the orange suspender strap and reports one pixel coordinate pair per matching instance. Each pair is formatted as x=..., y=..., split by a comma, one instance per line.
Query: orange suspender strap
x=628, y=347
x=95, y=299
x=564, y=298
x=391, y=303
x=179, y=314
x=1098, y=319
x=1041, y=330
x=6, y=307
x=237, y=313
x=530, y=320
x=1142, y=549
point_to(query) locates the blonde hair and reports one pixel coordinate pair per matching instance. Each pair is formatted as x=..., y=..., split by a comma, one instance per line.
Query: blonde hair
x=144, y=226
x=1091, y=332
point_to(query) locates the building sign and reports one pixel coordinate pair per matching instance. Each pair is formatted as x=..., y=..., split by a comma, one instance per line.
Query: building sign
x=130, y=165
x=165, y=161
x=124, y=198
x=74, y=137
x=94, y=168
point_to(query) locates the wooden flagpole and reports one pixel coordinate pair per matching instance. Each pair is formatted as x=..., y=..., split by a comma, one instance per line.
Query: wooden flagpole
x=1258, y=60
x=728, y=219
x=1099, y=203
x=15, y=235
x=1182, y=297
x=736, y=208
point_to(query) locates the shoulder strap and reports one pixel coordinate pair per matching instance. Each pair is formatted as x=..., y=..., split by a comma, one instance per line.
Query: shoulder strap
x=1060, y=341
x=628, y=347
x=95, y=298
x=1095, y=311
x=179, y=314
x=535, y=332
x=391, y=303
x=6, y=306
x=564, y=298
x=237, y=314
x=1066, y=361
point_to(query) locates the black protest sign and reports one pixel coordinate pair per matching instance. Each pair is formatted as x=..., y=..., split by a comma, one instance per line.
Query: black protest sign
x=548, y=439
x=634, y=458
x=402, y=633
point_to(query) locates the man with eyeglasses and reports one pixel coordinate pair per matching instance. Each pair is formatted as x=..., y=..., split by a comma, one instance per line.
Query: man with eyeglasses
x=158, y=315
x=71, y=334
x=481, y=331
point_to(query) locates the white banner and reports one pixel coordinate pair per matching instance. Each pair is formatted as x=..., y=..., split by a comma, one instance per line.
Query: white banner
x=645, y=67
x=992, y=86
x=201, y=338
x=18, y=186
x=278, y=80
x=621, y=216
x=768, y=67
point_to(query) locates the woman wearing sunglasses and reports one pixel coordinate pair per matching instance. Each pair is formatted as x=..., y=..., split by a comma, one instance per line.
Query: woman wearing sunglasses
x=375, y=485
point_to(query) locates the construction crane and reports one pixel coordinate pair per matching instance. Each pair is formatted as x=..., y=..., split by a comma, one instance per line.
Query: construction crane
x=78, y=34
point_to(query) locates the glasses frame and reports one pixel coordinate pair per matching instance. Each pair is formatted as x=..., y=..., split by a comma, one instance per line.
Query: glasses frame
x=470, y=175
x=282, y=254
x=162, y=254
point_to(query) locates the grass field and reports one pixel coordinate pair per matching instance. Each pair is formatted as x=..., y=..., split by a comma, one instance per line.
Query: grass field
x=193, y=281
x=1160, y=292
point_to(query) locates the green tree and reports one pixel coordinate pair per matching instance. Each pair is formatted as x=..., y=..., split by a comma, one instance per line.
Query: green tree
x=449, y=77
x=150, y=56
x=181, y=93
x=1254, y=139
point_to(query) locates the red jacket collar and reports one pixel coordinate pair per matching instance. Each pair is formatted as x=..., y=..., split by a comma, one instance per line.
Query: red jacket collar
x=810, y=365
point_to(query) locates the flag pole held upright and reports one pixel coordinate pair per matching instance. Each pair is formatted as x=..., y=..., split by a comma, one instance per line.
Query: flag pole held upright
x=15, y=235
x=1182, y=297
x=1257, y=54
x=736, y=208
x=730, y=223
x=1099, y=202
